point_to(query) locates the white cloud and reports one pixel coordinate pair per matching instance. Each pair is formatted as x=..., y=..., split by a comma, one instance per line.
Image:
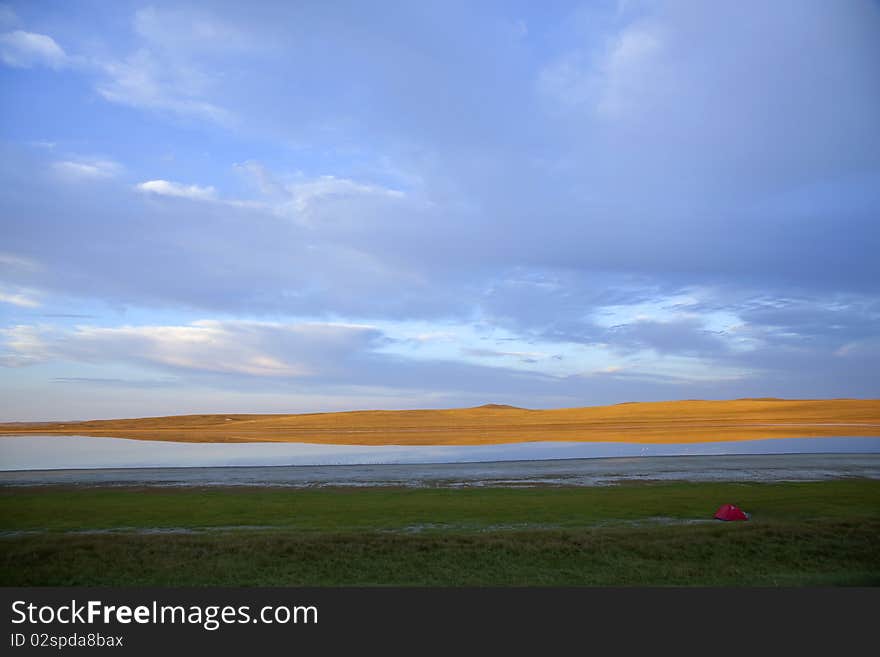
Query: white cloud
x=86, y=169
x=27, y=49
x=168, y=188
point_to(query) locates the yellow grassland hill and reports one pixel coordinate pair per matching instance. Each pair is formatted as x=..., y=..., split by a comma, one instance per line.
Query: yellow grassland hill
x=642, y=422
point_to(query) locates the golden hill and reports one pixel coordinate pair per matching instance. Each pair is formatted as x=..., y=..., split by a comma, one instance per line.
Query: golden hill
x=643, y=422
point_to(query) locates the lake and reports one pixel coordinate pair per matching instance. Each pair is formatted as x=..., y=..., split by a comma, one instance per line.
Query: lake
x=83, y=460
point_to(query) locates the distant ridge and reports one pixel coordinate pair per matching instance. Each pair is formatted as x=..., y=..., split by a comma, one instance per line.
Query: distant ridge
x=501, y=407
x=636, y=422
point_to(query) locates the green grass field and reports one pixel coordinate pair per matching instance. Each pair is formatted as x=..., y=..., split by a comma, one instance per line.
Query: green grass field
x=800, y=534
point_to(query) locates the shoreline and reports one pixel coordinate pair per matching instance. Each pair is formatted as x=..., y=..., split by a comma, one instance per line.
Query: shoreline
x=558, y=472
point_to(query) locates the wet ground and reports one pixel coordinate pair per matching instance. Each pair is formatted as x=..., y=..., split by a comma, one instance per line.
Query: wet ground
x=544, y=472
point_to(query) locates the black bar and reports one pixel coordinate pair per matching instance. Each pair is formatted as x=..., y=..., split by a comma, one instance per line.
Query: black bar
x=448, y=618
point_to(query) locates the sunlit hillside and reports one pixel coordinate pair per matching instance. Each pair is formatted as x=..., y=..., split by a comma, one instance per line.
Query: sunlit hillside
x=645, y=422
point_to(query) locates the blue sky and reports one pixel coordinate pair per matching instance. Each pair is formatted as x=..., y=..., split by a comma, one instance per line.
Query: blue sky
x=292, y=207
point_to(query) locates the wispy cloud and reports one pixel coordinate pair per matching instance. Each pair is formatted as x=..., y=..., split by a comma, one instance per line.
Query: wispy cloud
x=85, y=169
x=20, y=299
x=160, y=76
x=260, y=349
x=523, y=356
x=306, y=194
x=116, y=383
x=8, y=18
x=19, y=262
x=625, y=65
x=143, y=82
x=183, y=30
x=22, y=49
x=168, y=188
x=25, y=345
x=166, y=71
x=310, y=199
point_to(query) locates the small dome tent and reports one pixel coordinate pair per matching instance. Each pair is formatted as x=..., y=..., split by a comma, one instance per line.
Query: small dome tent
x=730, y=512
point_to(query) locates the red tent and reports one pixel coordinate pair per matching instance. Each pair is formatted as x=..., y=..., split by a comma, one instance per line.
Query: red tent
x=730, y=512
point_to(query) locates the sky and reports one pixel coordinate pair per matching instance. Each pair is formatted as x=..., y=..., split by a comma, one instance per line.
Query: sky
x=314, y=206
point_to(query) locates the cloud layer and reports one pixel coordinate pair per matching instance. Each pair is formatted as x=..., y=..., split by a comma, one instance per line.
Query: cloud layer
x=586, y=202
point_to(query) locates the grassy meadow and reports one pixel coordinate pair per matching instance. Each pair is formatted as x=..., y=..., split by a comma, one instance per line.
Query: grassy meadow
x=657, y=534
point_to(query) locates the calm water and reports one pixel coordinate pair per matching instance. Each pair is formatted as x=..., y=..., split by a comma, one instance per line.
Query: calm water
x=29, y=460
